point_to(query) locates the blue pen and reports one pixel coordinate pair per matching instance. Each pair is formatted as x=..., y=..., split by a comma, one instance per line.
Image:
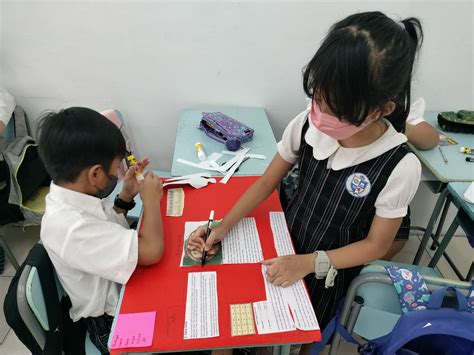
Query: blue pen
x=208, y=231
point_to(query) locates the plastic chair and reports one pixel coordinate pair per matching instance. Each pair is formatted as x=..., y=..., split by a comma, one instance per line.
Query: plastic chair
x=371, y=307
x=32, y=307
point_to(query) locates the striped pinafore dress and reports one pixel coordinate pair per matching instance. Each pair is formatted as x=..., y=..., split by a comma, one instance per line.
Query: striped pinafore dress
x=331, y=209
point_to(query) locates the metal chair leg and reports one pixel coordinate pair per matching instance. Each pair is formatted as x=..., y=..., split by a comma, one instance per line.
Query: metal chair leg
x=444, y=243
x=441, y=222
x=8, y=252
x=429, y=228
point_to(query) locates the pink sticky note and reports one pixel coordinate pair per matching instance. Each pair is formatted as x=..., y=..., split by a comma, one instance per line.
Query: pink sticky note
x=133, y=330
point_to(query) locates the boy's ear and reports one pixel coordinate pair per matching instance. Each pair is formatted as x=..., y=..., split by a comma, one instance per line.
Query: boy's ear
x=95, y=175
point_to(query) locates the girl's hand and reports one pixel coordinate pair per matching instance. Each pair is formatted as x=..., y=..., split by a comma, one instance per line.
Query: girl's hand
x=286, y=270
x=130, y=183
x=196, y=239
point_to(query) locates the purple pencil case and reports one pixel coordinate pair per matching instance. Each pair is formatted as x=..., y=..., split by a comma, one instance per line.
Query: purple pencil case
x=225, y=129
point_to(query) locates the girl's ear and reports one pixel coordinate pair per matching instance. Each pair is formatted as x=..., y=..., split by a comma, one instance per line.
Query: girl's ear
x=388, y=108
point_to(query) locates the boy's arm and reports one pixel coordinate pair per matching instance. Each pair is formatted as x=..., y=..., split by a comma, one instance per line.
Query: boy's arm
x=150, y=241
x=422, y=135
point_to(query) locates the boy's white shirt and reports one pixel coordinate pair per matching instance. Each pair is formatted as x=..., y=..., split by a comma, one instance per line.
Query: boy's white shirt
x=401, y=186
x=7, y=106
x=91, y=247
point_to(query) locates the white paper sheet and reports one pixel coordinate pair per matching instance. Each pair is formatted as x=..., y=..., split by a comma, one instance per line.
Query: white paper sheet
x=272, y=315
x=281, y=236
x=300, y=305
x=242, y=244
x=201, y=319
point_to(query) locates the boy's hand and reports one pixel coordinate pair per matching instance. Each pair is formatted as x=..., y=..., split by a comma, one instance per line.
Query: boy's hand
x=196, y=239
x=286, y=270
x=130, y=183
x=151, y=189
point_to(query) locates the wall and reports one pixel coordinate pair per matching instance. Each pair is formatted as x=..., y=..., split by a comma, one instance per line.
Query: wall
x=152, y=59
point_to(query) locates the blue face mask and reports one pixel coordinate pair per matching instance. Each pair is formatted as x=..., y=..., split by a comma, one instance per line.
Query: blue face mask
x=105, y=192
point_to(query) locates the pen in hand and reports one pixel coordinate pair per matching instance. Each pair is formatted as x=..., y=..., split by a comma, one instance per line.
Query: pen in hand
x=208, y=231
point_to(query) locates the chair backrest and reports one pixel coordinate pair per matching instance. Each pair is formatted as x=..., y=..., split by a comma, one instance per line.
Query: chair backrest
x=116, y=117
x=29, y=318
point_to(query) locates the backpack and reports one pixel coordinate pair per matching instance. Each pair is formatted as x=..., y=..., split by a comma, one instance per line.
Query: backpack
x=430, y=324
x=23, y=176
x=63, y=334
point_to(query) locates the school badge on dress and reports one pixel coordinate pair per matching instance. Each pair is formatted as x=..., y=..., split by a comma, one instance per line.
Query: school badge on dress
x=358, y=185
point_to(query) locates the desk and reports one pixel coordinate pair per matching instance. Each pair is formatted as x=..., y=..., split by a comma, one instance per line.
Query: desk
x=456, y=170
x=162, y=287
x=188, y=134
x=465, y=220
x=457, y=190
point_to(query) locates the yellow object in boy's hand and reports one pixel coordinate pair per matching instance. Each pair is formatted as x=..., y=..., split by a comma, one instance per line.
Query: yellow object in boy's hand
x=133, y=162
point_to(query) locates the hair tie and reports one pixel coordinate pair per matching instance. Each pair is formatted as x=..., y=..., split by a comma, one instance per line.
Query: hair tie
x=401, y=24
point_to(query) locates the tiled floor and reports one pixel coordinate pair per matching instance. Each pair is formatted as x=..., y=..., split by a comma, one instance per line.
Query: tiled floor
x=21, y=241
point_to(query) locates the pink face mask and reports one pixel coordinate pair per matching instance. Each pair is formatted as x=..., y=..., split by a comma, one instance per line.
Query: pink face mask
x=331, y=125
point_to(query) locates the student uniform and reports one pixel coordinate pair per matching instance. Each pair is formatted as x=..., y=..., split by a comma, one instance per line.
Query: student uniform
x=93, y=251
x=339, y=192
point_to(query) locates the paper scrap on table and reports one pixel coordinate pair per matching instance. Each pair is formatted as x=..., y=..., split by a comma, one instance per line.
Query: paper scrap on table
x=293, y=297
x=242, y=243
x=273, y=315
x=271, y=318
x=133, y=330
x=241, y=316
x=175, y=202
x=201, y=317
x=281, y=235
x=300, y=305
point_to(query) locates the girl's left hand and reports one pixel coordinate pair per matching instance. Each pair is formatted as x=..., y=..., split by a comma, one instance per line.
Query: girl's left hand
x=286, y=270
x=130, y=183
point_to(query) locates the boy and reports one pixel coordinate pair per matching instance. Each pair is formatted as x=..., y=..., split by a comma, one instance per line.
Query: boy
x=90, y=243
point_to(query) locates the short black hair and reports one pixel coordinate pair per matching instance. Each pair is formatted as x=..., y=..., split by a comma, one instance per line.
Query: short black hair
x=365, y=61
x=76, y=138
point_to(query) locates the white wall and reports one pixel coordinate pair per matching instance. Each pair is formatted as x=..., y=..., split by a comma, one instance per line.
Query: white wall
x=152, y=59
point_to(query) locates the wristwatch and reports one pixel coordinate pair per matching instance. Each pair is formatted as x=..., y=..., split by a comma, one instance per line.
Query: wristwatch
x=324, y=269
x=321, y=264
x=119, y=203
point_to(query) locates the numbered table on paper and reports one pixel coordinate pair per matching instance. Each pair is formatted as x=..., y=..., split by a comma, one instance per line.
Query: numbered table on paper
x=227, y=303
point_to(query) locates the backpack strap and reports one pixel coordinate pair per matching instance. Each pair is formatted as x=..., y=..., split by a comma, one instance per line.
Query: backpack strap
x=470, y=298
x=40, y=259
x=334, y=326
x=411, y=287
x=21, y=124
x=437, y=298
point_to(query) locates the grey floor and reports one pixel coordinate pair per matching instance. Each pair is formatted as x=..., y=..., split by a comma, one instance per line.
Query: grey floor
x=21, y=241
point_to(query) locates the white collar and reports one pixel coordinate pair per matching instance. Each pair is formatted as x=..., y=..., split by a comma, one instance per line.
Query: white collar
x=79, y=200
x=340, y=157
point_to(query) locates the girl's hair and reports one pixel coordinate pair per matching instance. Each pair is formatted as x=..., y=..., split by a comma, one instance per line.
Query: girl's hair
x=365, y=61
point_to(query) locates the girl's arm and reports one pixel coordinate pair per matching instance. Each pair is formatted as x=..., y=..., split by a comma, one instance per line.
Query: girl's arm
x=254, y=195
x=286, y=270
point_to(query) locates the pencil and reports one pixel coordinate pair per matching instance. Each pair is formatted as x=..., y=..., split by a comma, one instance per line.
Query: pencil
x=442, y=154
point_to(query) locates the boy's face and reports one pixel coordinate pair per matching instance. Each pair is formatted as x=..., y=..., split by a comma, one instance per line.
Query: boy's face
x=101, y=183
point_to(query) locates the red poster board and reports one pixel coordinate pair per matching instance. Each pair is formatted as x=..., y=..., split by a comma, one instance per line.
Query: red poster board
x=162, y=287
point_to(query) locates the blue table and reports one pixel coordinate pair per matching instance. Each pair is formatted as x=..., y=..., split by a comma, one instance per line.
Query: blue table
x=135, y=213
x=464, y=219
x=188, y=134
x=457, y=190
x=456, y=170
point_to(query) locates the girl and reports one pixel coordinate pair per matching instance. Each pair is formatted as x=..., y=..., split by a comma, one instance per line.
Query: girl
x=356, y=176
